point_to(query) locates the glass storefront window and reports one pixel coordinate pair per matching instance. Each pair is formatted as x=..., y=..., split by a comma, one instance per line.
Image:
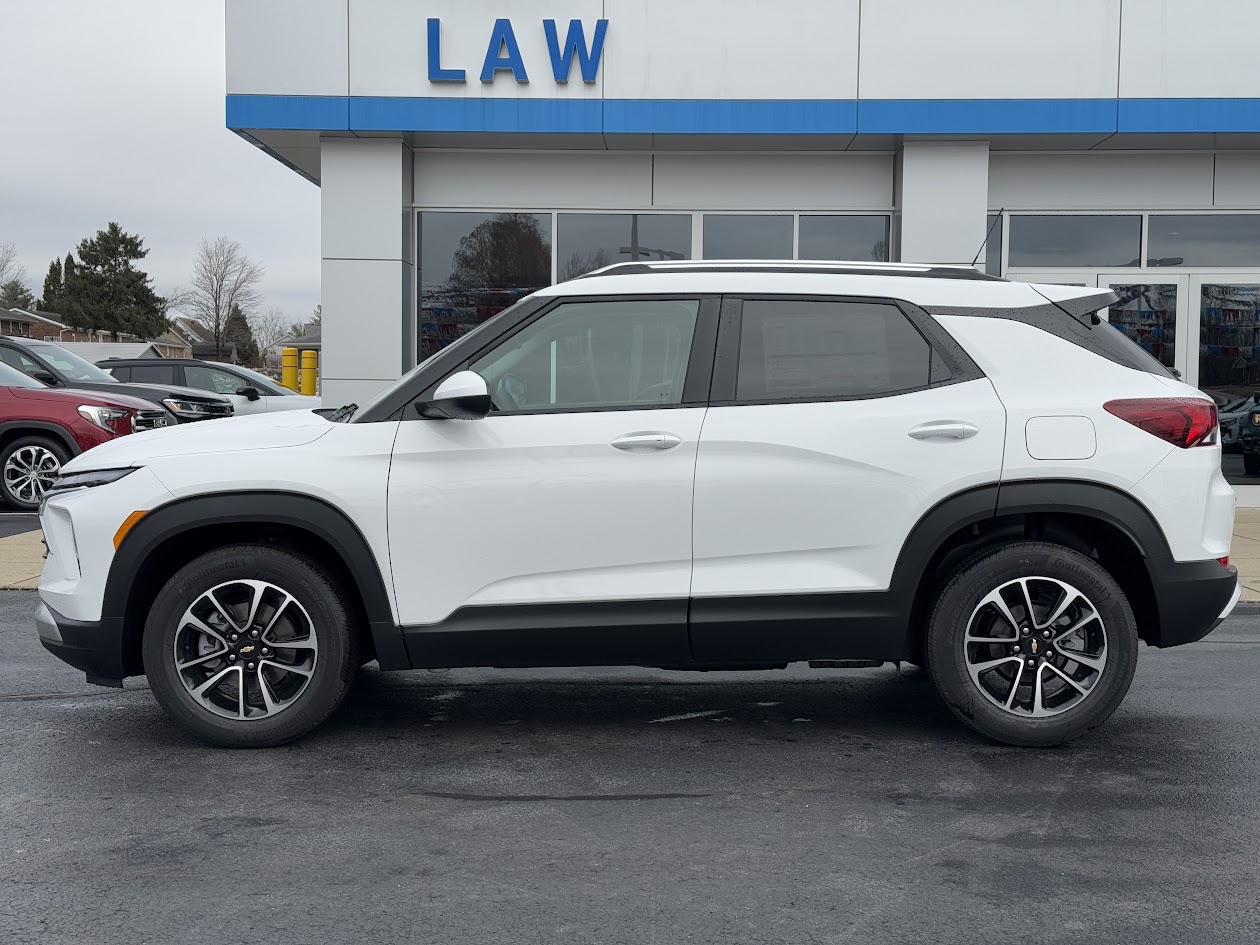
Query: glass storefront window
x=857, y=238
x=1229, y=373
x=1044, y=241
x=474, y=265
x=747, y=236
x=1148, y=315
x=1204, y=240
x=993, y=245
x=587, y=241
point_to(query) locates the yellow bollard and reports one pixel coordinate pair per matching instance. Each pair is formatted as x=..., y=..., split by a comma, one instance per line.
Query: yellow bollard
x=289, y=368
x=310, y=367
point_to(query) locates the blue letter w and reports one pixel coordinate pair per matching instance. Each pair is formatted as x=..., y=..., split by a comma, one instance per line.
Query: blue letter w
x=575, y=42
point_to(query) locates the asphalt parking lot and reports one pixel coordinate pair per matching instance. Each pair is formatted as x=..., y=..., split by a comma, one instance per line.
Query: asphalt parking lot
x=632, y=807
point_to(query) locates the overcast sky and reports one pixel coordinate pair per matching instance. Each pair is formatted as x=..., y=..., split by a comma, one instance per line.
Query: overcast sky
x=113, y=110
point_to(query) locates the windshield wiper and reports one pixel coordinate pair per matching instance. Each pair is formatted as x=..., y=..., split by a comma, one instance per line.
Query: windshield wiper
x=343, y=413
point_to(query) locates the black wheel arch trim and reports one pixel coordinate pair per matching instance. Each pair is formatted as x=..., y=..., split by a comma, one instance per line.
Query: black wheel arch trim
x=286, y=509
x=36, y=427
x=1092, y=499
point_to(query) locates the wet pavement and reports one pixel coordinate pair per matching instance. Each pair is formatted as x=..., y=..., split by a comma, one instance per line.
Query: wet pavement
x=632, y=806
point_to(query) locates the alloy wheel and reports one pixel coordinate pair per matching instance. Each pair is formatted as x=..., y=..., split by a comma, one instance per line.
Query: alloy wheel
x=29, y=472
x=246, y=650
x=1035, y=647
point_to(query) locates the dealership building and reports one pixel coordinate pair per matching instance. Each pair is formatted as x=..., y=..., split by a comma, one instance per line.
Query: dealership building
x=468, y=152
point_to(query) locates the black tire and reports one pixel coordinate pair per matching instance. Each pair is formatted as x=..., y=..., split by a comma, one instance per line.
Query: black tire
x=317, y=595
x=56, y=448
x=1251, y=464
x=947, y=652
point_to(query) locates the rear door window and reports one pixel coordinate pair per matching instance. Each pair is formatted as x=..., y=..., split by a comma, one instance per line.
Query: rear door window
x=152, y=374
x=800, y=349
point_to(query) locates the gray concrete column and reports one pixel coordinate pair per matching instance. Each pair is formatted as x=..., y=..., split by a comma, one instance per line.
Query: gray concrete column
x=366, y=236
x=941, y=191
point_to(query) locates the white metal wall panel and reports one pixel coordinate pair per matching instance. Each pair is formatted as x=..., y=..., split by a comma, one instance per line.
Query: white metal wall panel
x=1237, y=180
x=362, y=304
x=286, y=47
x=774, y=181
x=389, y=47
x=361, y=198
x=943, y=188
x=1190, y=49
x=532, y=179
x=989, y=49
x=1099, y=180
x=732, y=49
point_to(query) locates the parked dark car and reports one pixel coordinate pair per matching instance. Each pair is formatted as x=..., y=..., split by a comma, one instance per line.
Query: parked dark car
x=42, y=428
x=249, y=391
x=59, y=367
x=1249, y=437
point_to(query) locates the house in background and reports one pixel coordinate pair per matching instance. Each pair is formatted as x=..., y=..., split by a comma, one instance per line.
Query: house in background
x=309, y=339
x=200, y=340
x=49, y=326
x=95, y=351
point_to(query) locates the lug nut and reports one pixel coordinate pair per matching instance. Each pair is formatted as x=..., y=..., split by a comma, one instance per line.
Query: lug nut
x=249, y=665
x=266, y=652
x=1025, y=631
x=253, y=634
x=1015, y=649
x=1045, y=634
x=1032, y=662
x=231, y=657
x=234, y=638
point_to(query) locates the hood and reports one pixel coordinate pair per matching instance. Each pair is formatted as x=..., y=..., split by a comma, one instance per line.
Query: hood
x=161, y=391
x=263, y=431
x=77, y=397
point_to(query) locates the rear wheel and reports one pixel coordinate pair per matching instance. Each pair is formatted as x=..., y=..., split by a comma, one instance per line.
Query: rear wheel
x=1251, y=464
x=28, y=467
x=1032, y=643
x=250, y=646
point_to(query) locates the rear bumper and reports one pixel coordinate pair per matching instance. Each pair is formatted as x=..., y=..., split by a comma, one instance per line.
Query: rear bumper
x=1191, y=598
x=95, y=647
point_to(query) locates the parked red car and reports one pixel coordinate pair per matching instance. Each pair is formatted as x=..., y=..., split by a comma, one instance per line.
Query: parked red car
x=41, y=428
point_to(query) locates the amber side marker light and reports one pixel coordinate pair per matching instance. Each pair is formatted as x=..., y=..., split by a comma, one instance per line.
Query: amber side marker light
x=128, y=524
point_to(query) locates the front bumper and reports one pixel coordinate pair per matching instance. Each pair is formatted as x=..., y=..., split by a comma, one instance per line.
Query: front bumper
x=1191, y=599
x=96, y=647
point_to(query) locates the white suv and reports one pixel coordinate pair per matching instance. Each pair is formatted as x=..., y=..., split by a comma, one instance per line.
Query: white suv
x=688, y=465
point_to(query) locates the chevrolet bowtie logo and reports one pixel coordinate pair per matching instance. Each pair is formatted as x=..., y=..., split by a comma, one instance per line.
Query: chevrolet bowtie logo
x=1032, y=646
x=246, y=650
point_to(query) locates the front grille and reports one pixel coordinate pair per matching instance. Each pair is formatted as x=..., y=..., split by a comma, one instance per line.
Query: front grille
x=149, y=419
x=219, y=410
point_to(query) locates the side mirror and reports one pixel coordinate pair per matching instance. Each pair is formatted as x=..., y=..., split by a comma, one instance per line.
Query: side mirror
x=462, y=396
x=249, y=393
x=45, y=378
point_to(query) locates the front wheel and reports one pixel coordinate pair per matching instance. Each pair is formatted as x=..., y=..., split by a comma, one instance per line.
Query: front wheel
x=250, y=646
x=1251, y=464
x=1032, y=644
x=29, y=466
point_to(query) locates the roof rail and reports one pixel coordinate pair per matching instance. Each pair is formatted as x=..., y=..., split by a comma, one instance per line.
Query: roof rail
x=858, y=268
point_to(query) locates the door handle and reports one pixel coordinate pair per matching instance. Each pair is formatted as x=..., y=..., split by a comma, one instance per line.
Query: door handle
x=643, y=442
x=945, y=429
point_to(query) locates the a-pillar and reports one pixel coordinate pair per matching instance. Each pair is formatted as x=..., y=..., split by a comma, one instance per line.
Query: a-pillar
x=366, y=187
x=942, y=199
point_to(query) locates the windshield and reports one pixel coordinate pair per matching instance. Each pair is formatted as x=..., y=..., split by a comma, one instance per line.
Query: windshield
x=263, y=382
x=71, y=365
x=12, y=377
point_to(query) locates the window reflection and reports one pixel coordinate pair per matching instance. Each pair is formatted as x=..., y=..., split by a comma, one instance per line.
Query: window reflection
x=747, y=236
x=1148, y=315
x=993, y=245
x=1093, y=241
x=857, y=238
x=474, y=265
x=587, y=241
x=1229, y=372
x=1204, y=240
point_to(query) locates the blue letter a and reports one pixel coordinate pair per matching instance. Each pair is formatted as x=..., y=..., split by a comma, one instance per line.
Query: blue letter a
x=575, y=42
x=436, y=72
x=501, y=37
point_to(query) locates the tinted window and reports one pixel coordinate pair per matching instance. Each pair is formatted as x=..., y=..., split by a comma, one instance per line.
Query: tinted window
x=212, y=379
x=1204, y=240
x=151, y=374
x=120, y=373
x=862, y=239
x=747, y=236
x=1074, y=241
x=474, y=265
x=12, y=377
x=594, y=354
x=71, y=365
x=993, y=245
x=828, y=349
x=586, y=241
x=17, y=359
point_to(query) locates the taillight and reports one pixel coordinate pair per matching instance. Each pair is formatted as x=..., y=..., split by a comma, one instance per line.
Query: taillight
x=1223, y=562
x=1182, y=421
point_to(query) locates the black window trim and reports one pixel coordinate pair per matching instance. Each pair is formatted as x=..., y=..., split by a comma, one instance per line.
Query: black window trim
x=726, y=358
x=696, y=382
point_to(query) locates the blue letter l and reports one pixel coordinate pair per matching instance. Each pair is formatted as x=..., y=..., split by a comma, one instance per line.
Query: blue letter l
x=436, y=72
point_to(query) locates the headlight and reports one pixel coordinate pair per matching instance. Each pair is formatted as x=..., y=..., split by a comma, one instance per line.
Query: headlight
x=196, y=410
x=113, y=420
x=70, y=482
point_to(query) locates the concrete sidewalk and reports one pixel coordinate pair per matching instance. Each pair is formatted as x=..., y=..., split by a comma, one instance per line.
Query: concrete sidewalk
x=22, y=556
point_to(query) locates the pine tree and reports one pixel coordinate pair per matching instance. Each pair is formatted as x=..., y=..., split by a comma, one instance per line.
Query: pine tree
x=15, y=294
x=52, y=287
x=105, y=292
x=236, y=330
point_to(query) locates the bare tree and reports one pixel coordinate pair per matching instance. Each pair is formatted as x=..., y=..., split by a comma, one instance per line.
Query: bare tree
x=269, y=327
x=223, y=277
x=10, y=268
x=179, y=300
